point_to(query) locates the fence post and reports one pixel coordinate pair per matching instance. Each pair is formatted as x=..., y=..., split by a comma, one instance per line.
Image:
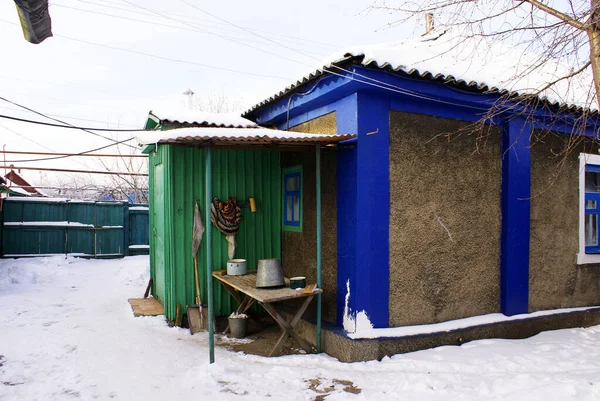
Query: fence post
x=126, y=233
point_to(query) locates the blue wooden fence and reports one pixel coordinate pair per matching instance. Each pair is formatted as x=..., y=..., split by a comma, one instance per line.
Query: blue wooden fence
x=44, y=226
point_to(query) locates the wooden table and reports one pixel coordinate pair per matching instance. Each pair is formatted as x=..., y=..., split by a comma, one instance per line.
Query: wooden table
x=246, y=285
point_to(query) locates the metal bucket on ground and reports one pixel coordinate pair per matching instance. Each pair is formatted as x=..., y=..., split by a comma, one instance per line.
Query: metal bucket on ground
x=238, y=326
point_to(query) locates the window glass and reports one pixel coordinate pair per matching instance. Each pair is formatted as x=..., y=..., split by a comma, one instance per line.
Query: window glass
x=591, y=230
x=296, y=208
x=288, y=212
x=292, y=198
x=592, y=182
x=292, y=183
x=590, y=204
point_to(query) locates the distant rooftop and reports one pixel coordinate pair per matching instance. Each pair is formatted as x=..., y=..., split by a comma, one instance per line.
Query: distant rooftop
x=199, y=118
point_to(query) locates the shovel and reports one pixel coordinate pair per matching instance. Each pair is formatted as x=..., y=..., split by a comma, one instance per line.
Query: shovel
x=197, y=314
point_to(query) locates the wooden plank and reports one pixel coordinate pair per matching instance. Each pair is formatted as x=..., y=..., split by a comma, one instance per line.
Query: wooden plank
x=146, y=307
x=247, y=285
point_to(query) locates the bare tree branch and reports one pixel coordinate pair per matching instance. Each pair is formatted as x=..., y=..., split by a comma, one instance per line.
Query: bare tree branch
x=564, y=17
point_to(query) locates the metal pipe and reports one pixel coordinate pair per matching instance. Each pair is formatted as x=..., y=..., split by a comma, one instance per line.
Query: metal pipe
x=209, y=288
x=318, y=168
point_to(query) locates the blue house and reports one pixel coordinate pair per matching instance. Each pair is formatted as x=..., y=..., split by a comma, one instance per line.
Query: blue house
x=466, y=208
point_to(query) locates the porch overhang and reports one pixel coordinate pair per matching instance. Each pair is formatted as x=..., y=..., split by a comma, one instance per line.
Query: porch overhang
x=238, y=138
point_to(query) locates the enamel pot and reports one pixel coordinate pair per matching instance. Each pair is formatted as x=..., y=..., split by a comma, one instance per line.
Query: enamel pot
x=236, y=267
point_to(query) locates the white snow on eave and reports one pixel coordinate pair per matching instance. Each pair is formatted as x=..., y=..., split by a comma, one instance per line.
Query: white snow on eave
x=152, y=137
x=454, y=324
x=232, y=120
x=476, y=60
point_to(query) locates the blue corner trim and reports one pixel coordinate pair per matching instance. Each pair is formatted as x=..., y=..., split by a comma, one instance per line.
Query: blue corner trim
x=346, y=121
x=363, y=201
x=515, y=202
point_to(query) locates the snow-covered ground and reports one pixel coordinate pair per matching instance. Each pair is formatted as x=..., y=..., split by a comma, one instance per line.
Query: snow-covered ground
x=67, y=333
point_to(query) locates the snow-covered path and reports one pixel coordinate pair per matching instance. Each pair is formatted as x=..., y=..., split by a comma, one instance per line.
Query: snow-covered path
x=67, y=333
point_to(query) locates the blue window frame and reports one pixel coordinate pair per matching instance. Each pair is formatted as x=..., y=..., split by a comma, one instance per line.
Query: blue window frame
x=592, y=207
x=292, y=199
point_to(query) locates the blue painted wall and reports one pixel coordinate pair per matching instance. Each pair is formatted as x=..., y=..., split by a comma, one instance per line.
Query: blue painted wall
x=363, y=174
x=515, y=202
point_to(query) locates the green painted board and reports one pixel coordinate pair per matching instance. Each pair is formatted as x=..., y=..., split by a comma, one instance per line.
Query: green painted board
x=176, y=182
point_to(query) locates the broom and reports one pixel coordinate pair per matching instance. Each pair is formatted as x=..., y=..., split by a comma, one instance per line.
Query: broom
x=197, y=314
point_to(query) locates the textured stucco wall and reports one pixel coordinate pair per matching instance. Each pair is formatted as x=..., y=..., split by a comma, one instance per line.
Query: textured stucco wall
x=299, y=249
x=444, y=221
x=555, y=279
x=322, y=125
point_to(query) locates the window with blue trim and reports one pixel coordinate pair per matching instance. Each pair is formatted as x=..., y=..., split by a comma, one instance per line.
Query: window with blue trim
x=592, y=207
x=292, y=199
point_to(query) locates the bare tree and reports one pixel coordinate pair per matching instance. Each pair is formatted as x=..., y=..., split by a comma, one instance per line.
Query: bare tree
x=558, y=40
x=215, y=103
x=124, y=186
x=566, y=32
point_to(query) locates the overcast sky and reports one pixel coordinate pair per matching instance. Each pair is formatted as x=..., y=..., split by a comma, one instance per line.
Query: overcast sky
x=82, y=77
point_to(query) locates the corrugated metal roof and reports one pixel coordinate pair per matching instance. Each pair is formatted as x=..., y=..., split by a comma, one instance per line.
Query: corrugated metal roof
x=201, y=118
x=474, y=63
x=251, y=136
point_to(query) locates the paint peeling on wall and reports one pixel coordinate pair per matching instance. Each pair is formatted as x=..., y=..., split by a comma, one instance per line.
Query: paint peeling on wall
x=348, y=322
x=360, y=322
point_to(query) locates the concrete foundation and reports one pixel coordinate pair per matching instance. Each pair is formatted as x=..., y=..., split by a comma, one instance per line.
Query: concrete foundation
x=335, y=342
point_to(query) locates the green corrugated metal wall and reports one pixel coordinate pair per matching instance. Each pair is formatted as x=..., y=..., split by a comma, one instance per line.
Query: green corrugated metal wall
x=177, y=179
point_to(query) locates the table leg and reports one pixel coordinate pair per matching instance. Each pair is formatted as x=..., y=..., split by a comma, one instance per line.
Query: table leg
x=288, y=328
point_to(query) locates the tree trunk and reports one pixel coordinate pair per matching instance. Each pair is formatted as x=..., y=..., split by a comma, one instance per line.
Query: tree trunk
x=594, y=36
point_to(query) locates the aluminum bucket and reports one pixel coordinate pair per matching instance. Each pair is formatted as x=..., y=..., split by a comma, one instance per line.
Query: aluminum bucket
x=269, y=273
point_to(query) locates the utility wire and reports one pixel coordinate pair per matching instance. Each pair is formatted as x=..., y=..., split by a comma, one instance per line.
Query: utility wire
x=71, y=118
x=153, y=23
x=24, y=137
x=161, y=57
x=216, y=34
x=62, y=170
x=65, y=155
x=24, y=120
x=199, y=21
x=17, y=152
x=63, y=122
x=366, y=79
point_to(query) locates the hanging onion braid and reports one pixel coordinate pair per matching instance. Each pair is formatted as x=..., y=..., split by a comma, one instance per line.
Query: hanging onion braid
x=226, y=216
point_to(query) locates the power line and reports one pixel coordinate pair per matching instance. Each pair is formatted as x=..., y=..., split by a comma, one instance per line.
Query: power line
x=197, y=20
x=161, y=57
x=62, y=122
x=100, y=188
x=24, y=137
x=65, y=155
x=152, y=22
x=15, y=152
x=70, y=117
x=62, y=170
x=216, y=34
x=24, y=120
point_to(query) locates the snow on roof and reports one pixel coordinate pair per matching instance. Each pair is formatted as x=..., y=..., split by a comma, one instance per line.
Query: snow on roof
x=478, y=62
x=239, y=135
x=185, y=116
